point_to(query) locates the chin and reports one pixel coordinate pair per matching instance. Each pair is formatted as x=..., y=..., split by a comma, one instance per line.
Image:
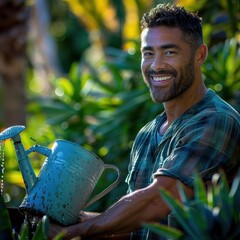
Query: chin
x=156, y=99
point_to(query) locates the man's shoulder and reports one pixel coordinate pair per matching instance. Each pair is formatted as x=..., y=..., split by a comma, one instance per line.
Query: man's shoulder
x=223, y=107
x=213, y=106
x=211, y=115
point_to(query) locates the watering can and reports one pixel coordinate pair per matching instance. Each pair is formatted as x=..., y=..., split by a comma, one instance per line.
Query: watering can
x=65, y=181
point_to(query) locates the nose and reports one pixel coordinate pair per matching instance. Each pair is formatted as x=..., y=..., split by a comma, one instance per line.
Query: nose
x=158, y=63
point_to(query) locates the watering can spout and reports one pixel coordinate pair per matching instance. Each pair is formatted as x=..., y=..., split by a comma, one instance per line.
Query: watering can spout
x=26, y=169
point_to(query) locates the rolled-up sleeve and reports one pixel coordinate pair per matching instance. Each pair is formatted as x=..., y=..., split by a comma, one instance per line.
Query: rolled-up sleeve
x=211, y=142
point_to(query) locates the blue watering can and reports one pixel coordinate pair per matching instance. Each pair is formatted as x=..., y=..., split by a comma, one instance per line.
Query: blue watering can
x=65, y=181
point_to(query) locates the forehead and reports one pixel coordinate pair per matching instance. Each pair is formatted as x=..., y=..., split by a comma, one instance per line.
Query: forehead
x=161, y=35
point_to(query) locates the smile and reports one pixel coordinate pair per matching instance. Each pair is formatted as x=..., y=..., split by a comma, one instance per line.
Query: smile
x=160, y=79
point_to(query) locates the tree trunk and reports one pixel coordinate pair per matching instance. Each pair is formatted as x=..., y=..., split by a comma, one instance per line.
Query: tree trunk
x=14, y=16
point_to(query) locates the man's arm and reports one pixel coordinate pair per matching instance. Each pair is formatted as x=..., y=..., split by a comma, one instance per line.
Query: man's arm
x=83, y=216
x=130, y=212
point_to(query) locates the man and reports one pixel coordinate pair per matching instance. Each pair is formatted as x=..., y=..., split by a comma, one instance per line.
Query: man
x=198, y=131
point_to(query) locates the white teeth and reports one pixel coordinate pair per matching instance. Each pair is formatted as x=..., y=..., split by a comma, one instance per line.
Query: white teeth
x=159, y=79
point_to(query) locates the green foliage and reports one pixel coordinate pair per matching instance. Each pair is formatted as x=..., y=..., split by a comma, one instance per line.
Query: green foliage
x=102, y=108
x=212, y=214
x=103, y=105
x=26, y=232
x=5, y=224
x=222, y=71
x=40, y=233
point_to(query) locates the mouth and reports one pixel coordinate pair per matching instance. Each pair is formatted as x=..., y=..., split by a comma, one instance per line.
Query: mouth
x=161, y=78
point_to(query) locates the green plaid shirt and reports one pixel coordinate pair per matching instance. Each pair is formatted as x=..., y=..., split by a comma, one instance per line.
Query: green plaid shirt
x=206, y=136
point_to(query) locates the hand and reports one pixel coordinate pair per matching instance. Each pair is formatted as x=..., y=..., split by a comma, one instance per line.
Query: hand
x=66, y=232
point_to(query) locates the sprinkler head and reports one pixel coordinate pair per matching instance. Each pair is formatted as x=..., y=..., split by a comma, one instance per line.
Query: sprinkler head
x=11, y=132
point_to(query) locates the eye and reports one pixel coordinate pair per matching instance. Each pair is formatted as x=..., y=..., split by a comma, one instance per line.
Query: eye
x=170, y=53
x=147, y=54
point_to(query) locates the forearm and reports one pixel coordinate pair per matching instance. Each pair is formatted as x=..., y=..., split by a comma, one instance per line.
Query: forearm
x=84, y=215
x=125, y=216
x=113, y=221
x=129, y=213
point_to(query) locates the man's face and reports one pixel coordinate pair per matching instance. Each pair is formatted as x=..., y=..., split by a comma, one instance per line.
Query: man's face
x=167, y=62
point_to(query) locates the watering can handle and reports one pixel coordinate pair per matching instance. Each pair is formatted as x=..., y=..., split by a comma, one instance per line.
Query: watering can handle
x=109, y=188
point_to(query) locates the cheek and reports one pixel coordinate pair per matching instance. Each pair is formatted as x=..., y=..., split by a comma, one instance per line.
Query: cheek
x=144, y=66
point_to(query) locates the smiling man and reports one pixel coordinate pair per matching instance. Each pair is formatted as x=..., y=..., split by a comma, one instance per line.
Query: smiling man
x=198, y=131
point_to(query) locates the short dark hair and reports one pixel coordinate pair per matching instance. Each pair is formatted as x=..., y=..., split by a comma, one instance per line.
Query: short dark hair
x=175, y=16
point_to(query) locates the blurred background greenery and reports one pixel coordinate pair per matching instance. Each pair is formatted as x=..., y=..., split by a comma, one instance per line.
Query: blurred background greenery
x=71, y=69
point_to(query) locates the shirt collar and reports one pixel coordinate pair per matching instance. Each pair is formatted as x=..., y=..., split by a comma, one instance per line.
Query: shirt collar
x=187, y=114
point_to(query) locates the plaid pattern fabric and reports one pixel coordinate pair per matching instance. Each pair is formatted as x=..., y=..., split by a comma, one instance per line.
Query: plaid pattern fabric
x=206, y=136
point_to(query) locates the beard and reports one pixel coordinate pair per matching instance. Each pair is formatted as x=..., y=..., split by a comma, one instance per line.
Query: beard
x=181, y=82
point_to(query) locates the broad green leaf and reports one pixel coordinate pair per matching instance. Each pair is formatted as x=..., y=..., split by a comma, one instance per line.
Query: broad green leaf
x=179, y=211
x=165, y=231
x=235, y=192
x=183, y=196
x=5, y=224
x=42, y=229
x=59, y=236
x=226, y=207
x=200, y=194
x=66, y=87
x=198, y=221
x=25, y=231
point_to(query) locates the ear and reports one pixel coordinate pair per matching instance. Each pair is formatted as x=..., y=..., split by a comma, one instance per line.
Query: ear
x=201, y=55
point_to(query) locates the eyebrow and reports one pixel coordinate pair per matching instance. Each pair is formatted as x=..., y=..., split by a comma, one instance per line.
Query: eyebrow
x=163, y=47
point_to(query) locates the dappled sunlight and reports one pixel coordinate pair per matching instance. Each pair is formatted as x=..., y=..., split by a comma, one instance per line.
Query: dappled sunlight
x=94, y=94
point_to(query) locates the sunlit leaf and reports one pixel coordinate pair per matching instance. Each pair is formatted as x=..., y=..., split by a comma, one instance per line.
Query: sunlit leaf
x=164, y=231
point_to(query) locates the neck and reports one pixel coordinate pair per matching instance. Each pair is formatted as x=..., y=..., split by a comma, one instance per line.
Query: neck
x=176, y=107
